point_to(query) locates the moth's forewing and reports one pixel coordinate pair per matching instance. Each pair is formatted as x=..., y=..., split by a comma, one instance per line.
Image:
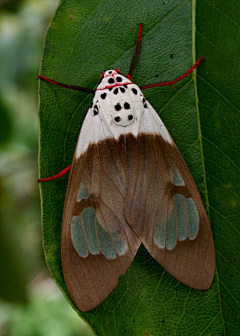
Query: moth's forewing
x=165, y=209
x=97, y=243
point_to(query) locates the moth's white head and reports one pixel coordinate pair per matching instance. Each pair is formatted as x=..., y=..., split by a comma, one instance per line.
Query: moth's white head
x=112, y=78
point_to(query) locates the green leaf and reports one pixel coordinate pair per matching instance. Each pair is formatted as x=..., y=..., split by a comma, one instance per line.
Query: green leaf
x=88, y=37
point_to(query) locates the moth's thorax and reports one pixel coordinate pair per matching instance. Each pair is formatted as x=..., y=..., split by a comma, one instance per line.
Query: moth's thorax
x=118, y=101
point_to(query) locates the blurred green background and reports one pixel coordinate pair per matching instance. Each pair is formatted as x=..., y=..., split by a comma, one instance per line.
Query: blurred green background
x=30, y=302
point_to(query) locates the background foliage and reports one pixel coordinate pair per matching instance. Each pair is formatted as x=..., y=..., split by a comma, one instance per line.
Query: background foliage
x=86, y=38
x=30, y=302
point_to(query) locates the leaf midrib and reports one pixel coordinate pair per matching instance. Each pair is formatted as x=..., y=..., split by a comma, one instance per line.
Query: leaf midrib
x=201, y=146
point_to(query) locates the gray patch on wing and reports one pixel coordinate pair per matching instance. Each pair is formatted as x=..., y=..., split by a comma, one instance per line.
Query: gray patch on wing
x=88, y=217
x=177, y=178
x=89, y=236
x=111, y=235
x=179, y=202
x=105, y=241
x=160, y=225
x=193, y=219
x=159, y=235
x=171, y=232
x=83, y=192
x=78, y=238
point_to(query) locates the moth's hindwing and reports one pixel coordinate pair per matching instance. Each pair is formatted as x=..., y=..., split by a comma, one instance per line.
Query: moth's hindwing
x=164, y=207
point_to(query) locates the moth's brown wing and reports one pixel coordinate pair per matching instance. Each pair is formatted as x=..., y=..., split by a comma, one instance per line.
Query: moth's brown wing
x=165, y=209
x=98, y=245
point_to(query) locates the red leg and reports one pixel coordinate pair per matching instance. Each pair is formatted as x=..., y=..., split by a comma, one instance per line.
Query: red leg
x=175, y=80
x=136, y=52
x=64, y=171
x=70, y=87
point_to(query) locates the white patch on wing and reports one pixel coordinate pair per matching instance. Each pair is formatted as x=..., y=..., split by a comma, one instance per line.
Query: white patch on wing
x=119, y=102
x=153, y=124
x=93, y=130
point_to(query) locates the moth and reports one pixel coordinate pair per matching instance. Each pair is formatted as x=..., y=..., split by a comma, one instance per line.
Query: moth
x=129, y=185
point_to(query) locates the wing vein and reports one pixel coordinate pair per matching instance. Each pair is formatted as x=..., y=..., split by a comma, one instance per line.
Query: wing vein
x=84, y=232
x=176, y=220
x=147, y=190
x=111, y=239
x=106, y=173
x=95, y=226
x=119, y=156
x=76, y=285
x=157, y=160
x=185, y=205
x=129, y=246
x=166, y=232
x=137, y=175
x=155, y=214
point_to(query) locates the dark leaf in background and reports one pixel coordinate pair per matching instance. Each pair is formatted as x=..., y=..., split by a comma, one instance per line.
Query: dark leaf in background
x=10, y=5
x=14, y=278
x=5, y=124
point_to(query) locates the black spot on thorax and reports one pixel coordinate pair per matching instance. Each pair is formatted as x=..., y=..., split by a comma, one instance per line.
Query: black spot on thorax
x=118, y=107
x=127, y=106
x=103, y=95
